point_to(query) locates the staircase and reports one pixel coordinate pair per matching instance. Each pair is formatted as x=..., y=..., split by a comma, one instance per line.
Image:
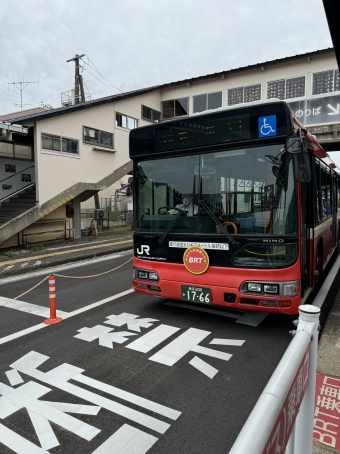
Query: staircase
x=17, y=204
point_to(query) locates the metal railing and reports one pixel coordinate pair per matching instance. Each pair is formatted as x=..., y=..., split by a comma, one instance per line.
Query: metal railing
x=112, y=218
x=14, y=185
x=17, y=173
x=282, y=419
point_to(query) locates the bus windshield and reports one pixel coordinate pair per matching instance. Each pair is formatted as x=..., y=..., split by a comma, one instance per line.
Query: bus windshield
x=245, y=192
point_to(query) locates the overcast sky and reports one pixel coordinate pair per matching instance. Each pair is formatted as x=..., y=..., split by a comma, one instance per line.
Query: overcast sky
x=140, y=43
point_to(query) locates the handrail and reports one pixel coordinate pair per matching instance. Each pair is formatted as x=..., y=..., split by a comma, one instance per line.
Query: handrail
x=18, y=173
x=282, y=418
x=17, y=192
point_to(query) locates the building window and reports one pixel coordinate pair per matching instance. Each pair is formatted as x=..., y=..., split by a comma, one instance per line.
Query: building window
x=59, y=144
x=294, y=87
x=240, y=95
x=208, y=101
x=175, y=108
x=26, y=177
x=16, y=150
x=10, y=168
x=123, y=121
x=150, y=114
x=98, y=137
x=326, y=82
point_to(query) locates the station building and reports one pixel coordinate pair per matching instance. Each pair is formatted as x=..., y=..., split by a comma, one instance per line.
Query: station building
x=52, y=162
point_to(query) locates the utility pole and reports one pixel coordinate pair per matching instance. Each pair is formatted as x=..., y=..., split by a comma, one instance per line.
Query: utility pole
x=21, y=85
x=78, y=80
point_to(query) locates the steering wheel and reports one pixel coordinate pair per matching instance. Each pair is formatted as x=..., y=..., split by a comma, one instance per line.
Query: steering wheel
x=171, y=208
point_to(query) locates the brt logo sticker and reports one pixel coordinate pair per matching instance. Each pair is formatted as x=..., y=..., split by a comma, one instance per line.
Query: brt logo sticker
x=196, y=260
x=267, y=126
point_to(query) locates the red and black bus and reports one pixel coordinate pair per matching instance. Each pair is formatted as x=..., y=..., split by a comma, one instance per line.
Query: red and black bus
x=237, y=208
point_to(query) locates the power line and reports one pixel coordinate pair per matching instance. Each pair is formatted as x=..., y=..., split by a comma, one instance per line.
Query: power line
x=108, y=86
x=105, y=81
x=93, y=66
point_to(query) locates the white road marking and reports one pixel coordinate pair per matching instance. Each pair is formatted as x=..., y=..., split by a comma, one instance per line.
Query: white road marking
x=29, y=308
x=17, y=443
x=132, y=321
x=8, y=407
x=203, y=367
x=26, y=365
x=24, y=264
x=227, y=342
x=68, y=266
x=91, y=410
x=37, y=263
x=11, y=337
x=150, y=340
x=14, y=377
x=129, y=397
x=322, y=293
x=8, y=267
x=186, y=342
x=251, y=318
x=70, y=423
x=106, y=338
x=99, y=303
x=43, y=430
x=127, y=440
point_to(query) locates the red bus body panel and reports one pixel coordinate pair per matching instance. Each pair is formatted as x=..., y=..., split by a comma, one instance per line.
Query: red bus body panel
x=219, y=280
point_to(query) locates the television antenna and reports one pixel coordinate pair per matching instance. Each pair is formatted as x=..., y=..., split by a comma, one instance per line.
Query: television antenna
x=21, y=85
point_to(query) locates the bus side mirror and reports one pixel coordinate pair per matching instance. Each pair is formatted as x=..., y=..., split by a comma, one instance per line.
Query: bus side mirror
x=302, y=168
x=297, y=146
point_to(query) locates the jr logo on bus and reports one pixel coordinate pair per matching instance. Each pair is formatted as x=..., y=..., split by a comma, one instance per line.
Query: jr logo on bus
x=267, y=126
x=144, y=249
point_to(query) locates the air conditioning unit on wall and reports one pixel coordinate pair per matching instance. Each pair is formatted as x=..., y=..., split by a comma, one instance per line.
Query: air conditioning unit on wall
x=100, y=215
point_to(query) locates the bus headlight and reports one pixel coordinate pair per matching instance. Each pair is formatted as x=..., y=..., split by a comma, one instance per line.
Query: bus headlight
x=145, y=275
x=288, y=288
x=254, y=287
x=271, y=288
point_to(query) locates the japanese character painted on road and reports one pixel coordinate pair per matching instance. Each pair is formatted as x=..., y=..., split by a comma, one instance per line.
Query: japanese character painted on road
x=170, y=354
x=42, y=413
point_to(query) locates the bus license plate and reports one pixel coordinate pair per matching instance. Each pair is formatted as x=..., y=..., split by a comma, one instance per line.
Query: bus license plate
x=195, y=294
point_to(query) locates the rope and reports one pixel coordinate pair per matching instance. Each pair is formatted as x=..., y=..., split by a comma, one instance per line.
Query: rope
x=93, y=275
x=37, y=285
x=72, y=277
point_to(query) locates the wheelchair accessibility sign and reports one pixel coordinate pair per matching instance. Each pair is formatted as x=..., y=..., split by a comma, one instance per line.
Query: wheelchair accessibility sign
x=267, y=126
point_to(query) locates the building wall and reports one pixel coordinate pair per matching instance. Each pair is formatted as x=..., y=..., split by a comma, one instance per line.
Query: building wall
x=59, y=172
x=269, y=73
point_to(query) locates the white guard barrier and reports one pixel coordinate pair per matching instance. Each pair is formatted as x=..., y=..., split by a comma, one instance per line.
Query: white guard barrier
x=282, y=419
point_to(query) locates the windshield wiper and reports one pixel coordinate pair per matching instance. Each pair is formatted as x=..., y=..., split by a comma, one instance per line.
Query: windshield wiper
x=172, y=223
x=217, y=222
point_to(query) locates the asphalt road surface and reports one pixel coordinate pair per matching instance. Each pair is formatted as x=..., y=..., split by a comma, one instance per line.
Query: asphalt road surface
x=124, y=372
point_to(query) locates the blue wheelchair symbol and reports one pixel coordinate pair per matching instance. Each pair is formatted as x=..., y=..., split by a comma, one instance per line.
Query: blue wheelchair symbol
x=267, y=126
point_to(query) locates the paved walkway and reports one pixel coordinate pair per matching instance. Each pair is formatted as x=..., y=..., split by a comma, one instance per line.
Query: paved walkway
x=44, y=255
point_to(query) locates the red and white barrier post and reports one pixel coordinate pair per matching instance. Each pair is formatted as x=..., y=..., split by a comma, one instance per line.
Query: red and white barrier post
x=53, y=303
